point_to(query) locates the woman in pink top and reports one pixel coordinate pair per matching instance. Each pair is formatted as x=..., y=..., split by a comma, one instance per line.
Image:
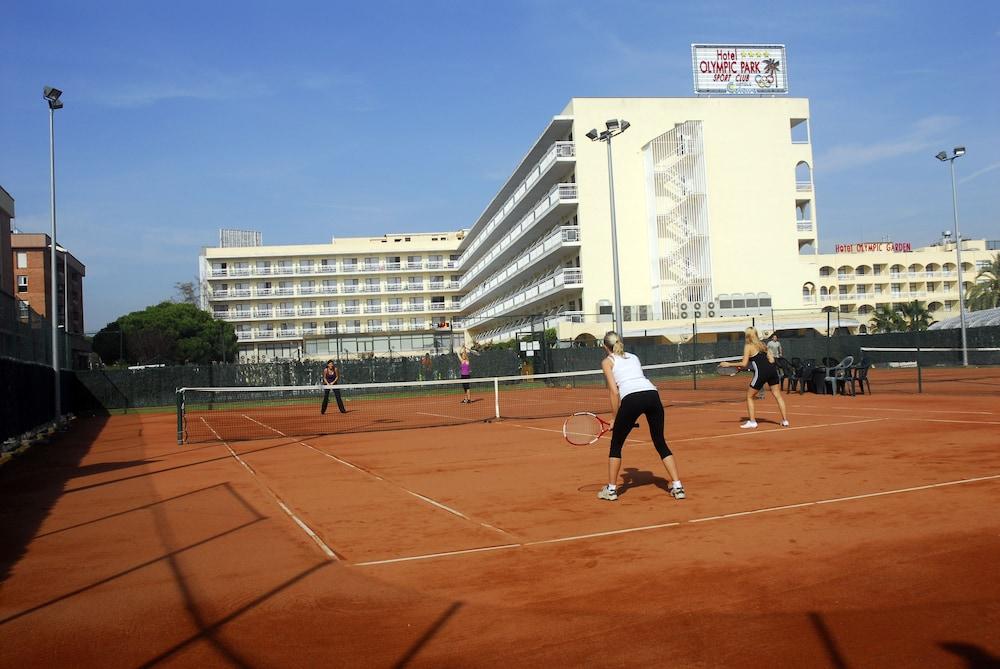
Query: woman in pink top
x=465, y=369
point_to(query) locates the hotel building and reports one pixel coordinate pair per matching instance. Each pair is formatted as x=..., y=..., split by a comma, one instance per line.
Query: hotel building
x=716, y=218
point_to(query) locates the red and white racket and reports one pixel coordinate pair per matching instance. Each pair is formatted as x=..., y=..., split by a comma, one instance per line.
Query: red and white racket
x=583, y=428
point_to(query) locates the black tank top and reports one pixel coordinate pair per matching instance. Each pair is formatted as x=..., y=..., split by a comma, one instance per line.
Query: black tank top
x=760, y=359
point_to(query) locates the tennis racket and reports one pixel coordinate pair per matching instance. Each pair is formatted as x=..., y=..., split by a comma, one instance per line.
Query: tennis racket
x=583, y=428
x=727, y=371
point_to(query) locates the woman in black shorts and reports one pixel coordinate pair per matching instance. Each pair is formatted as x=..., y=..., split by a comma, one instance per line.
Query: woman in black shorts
x=761, y=362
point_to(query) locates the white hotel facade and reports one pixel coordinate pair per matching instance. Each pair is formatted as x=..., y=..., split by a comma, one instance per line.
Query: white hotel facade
x=716, y=216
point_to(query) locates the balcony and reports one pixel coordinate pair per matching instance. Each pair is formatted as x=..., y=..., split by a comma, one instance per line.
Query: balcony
x=243, y=336
x=803, y=186
x=285, y=312
x=517, y=237
x=328, y=311
x=394, y=308
x=563, y=279
x=350, y=309
x=541, y=175
x=350, y=288
x=394, y=287
x=307, y=311
x=263, y=313
x=804, y=226
x=287, y=334
x=437, y=306
x=561, y=243
x=373, y=309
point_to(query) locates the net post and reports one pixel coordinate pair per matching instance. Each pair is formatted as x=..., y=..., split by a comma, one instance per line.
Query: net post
x=496, y=396
x=694, y=352
x=920, y=378
x=180, y=416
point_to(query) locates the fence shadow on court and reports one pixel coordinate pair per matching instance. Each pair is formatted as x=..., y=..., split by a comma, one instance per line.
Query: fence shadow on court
x=31, y=484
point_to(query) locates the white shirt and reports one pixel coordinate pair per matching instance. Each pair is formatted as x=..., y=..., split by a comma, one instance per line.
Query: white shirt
x=628, y=375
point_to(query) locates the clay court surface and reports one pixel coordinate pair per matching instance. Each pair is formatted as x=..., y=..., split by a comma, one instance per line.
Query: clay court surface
x=866, y=535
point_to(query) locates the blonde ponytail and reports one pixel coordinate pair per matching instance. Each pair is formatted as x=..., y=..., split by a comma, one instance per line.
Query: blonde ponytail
x=614, y=342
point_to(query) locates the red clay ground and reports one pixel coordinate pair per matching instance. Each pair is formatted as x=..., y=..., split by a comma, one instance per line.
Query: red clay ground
x=866, y=535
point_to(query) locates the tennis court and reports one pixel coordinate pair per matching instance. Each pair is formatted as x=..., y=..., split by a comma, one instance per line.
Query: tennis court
x=866, y=534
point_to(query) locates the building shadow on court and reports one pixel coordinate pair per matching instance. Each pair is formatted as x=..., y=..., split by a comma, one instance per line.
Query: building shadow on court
x=635, y=478
x=32, y=483
x=975, y=656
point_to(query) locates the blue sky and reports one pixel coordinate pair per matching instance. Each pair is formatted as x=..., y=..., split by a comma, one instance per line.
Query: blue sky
x=308, y=120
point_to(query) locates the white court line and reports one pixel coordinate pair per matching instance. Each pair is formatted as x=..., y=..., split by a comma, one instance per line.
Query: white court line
x=384, y=480
x=860, y=408
x=945, y=420
x=434, y=555
x=793, y=414
x=441, y=415
x=601, y=534
x=329, y=552
x=777, y=430
x=706, y=519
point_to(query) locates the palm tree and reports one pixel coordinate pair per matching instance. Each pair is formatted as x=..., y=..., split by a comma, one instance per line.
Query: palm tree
x=915, y=316
x=886, y=319
x=985, y=293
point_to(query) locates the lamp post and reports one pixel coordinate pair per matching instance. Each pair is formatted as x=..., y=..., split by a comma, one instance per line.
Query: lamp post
x=957, y=152
x=51, y=96
x=614, y=127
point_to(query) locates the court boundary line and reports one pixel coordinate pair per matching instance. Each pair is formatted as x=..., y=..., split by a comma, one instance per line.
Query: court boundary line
x=706, y=519
x=743, y=433
x=379, y=477
x=329, y=552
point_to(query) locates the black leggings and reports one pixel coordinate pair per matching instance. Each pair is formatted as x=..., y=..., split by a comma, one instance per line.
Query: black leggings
x=645, y=403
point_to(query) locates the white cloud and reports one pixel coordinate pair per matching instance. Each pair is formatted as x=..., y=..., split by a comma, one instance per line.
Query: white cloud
x=200, y=86
x=978, y=173
x=924, y=135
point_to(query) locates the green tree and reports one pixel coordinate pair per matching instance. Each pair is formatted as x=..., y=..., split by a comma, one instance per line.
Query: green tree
x=887, y=319
x=915, y=316
x=168, y=333
x=985, y=293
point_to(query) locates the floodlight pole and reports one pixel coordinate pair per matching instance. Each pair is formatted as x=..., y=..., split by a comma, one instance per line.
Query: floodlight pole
x=957, y=153
x=614, y=127
x=52, y=306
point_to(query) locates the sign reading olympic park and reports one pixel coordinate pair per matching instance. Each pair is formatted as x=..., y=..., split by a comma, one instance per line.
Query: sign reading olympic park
x=874, y=247
x=739, y=69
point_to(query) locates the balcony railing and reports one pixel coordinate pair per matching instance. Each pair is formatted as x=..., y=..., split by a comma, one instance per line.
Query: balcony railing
x=804, y=226
x=556, y=151
x=553, y=198
x=566, y=234
x=803, y=185
x=569, y=277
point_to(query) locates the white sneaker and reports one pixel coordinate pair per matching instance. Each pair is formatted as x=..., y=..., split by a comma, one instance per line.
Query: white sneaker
x=784, y=423
x=608, y=494
x=749, y=425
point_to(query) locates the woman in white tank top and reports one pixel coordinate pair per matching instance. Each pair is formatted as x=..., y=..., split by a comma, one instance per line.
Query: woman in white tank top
x=632, y=395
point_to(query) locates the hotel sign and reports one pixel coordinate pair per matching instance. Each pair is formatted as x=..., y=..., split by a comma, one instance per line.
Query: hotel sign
x=739, y=69
x=874, y=247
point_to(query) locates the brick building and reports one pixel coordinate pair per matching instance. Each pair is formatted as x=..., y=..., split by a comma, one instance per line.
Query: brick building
x=31, y=283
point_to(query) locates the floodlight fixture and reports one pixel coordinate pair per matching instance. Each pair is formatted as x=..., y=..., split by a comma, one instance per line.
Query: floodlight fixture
x=52, y=96
x=959, y=151
x=612, y=124
x=941, y=155
x=593, y=134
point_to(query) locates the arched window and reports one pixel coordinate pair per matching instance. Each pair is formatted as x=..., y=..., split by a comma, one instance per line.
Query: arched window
x=803, y=176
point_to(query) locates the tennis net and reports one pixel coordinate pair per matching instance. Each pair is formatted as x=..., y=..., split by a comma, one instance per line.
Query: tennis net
x=934, y=369
x=243, y=413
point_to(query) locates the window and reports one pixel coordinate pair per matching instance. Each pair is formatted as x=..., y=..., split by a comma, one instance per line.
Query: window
x=800, y=130
x=22, y=284
x=22, y=260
